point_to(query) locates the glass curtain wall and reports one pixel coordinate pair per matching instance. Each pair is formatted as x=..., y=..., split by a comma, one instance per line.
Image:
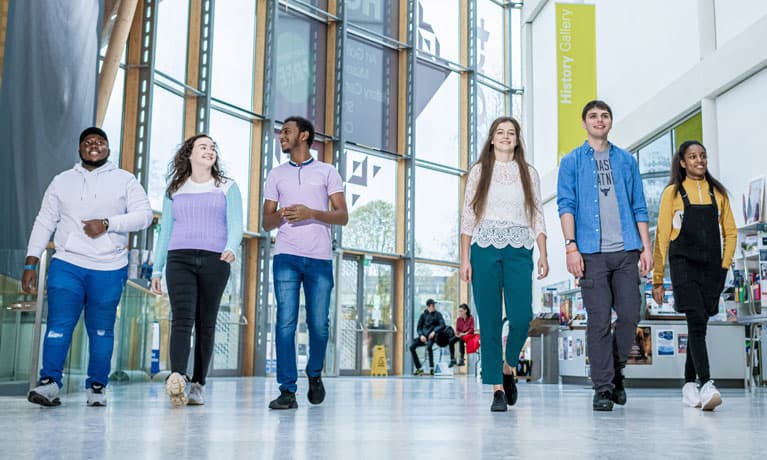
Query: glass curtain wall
x=238, y=68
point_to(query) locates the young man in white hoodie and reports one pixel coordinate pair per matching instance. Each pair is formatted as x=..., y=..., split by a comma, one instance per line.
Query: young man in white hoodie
x=89, y=209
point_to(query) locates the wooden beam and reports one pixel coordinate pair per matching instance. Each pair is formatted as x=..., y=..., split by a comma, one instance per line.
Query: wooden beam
x=3, y=28
x=249, y=308
x=117, y=40
x=330, y=78
x=192, y=68
x=131, y=99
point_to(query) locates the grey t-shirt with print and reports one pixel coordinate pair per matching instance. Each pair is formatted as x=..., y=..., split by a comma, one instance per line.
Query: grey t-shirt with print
x=609, y=217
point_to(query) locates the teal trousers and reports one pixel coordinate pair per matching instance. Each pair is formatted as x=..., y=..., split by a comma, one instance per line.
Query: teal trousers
x=501, y=276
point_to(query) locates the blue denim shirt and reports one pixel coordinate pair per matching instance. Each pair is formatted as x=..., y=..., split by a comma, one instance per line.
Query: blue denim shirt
x=578, y=194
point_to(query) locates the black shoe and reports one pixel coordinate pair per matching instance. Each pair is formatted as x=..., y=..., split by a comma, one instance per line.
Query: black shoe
x=431, y=372
x=510, y=388
x=461, y=362
x=286, y=400
x=418, y=371
x=618, y=395
x=316, y=392
x=602, y=401
x=499, y=402
x=452, y=363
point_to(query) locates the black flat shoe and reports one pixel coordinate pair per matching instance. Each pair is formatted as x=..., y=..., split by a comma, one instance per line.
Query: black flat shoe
x=510, y=388
x=499, y=402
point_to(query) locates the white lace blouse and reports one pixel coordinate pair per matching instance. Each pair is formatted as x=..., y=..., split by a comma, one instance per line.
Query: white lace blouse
x=504, y=221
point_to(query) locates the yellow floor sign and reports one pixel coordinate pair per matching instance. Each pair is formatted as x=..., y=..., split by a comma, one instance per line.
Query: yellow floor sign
x=379, y=361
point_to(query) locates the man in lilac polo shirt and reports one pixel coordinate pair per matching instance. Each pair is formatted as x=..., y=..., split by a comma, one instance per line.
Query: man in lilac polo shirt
x=296, y=198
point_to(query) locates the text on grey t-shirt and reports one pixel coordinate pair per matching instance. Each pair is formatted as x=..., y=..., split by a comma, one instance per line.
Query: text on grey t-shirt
x=609, y=218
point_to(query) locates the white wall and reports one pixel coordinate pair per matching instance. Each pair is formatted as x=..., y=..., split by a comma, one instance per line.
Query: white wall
x=635, y=60
x=741, y=114
x=657, y=63
x=734, y=16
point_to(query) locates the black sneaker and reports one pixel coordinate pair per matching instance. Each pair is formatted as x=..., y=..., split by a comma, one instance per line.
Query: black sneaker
x=461, y=362
x=431, y=372
x=316, y=392
x=510, y=388
x=602, y=401
x=618, y=395
x=499, y=402
x=286, y=400
x=418, y=371
x=452, y=363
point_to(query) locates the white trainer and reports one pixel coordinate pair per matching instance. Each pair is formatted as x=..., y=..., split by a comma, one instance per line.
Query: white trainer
x=691, y=395
x=174, y=387
x=96, y=396
x=196, y=395
x=709, y=396
x=46, y=393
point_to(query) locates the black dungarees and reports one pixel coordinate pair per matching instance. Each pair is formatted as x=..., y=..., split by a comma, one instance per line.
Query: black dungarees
x=695, y=258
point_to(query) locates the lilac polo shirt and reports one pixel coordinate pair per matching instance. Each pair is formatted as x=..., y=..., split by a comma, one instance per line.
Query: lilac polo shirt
x=311, y=185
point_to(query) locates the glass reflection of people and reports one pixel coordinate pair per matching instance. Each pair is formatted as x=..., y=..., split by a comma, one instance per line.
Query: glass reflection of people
x=502, y=220
x=603, y=214
x=695, y=215
x=464, y=327
x=296, y=196
x=200, y=229
x=429, y=324
x=89, y=210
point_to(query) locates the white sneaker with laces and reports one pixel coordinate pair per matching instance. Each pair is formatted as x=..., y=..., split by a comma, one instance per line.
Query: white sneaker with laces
x=174, y=387
x=196, y=395
x=46, y=393
x=96, y=396
x=709, y=396
x=691, y=395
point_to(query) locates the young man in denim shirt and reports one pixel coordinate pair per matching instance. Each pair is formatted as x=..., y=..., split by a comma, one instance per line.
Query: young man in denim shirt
x=605, y=224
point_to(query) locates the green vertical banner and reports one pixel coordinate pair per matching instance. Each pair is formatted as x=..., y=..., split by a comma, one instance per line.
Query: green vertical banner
x=576, y=71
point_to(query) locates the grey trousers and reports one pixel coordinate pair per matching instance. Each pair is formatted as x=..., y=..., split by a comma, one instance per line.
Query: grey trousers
x=610, y=281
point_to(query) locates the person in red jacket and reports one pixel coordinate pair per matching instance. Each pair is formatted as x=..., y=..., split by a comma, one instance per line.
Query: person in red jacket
x=464, y=329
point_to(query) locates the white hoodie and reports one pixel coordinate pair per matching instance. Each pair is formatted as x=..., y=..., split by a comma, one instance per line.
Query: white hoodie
x=76, y=195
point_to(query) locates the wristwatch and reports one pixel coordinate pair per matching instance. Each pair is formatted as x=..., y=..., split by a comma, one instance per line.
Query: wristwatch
x=105, y=221
x=569, y=242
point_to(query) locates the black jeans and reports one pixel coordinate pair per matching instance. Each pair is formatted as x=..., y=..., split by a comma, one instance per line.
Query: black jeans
x=461, y=346
x=697, y=353
x=610, y=281
x=429, y=352
x=196, y=280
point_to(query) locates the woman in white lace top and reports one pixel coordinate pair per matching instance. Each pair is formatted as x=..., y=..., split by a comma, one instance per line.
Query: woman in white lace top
x=502, y=219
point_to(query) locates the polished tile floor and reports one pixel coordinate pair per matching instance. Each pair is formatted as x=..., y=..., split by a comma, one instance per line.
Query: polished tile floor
x=370, y=418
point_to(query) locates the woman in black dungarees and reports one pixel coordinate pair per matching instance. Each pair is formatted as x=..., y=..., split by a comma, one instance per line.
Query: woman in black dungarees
x=693, y=208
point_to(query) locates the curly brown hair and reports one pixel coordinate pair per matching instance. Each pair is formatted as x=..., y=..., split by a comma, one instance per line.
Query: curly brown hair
x=180, y=168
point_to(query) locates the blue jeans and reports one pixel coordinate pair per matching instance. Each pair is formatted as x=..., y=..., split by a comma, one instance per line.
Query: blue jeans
x=317, y=277
x=69, y=289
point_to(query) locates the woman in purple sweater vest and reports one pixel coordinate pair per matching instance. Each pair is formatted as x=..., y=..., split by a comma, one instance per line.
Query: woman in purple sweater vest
x=200, y=228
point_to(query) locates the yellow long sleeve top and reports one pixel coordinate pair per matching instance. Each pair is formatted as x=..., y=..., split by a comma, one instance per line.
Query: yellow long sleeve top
x=670, y=222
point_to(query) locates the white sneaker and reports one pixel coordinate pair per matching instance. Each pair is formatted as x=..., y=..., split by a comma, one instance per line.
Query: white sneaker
x=709, y=396
x=96, y=396
x=174, y=387
x=691, y=395
x=196, y=395
x=46, y=393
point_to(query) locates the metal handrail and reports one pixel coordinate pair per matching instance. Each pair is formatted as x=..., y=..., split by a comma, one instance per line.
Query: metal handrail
x=34, y=361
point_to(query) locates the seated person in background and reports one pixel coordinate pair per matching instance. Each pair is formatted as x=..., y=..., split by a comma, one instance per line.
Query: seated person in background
x=464, y=326
x=430, y=322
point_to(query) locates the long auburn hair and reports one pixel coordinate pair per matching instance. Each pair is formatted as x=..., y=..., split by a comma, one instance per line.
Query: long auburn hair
x=180, y=168
x=678, y=173
x=486, y=161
